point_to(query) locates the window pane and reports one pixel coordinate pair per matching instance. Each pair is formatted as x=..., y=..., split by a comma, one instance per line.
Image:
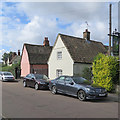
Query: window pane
x=59, y=55
x=58, y=73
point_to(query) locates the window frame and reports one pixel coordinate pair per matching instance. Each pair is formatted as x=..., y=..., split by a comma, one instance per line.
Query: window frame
x=59, y=55
x=57, y=72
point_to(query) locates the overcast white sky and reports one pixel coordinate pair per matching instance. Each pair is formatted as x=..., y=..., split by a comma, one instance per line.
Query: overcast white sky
x=30, y=22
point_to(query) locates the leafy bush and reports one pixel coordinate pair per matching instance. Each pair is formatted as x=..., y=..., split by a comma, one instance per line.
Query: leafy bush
x=105, y=71
x=95, y=85
x=87, y=73
x=11, y=68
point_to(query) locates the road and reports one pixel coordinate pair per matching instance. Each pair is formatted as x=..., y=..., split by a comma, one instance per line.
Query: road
x=20, y=102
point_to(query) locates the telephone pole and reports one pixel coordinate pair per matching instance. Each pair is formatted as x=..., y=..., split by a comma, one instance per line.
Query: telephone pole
x=110, y=28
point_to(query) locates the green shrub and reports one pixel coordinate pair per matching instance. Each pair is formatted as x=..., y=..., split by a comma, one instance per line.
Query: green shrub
x=105, y=70
x=95, y=85
x=11, y=68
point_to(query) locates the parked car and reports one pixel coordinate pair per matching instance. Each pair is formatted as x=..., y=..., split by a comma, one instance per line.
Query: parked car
x=37, y=81
x=6, y=76
x=76, y=86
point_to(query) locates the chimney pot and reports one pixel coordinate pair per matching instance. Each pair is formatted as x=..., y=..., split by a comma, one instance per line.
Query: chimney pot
x=46, y=42
x=86, y=35
x=18, y=52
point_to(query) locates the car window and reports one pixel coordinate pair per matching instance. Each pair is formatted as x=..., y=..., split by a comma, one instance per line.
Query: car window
x=32, y=76
x=61, y=79
x=28, y=76
x=68, y=79
x=45, y=77
x=38, y=76
x=7, y=73
x=79, y=80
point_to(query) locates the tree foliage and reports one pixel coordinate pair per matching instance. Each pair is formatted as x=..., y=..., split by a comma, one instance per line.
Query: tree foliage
x=5, y=56
x=105, y=71
x=11, y=68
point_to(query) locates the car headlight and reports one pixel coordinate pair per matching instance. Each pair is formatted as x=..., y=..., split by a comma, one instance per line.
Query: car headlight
x=89, y=90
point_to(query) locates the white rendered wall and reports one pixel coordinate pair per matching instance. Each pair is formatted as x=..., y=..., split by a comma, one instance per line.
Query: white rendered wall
x=65, y=64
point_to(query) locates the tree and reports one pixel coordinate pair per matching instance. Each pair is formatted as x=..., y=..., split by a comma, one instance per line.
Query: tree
x=105, y=71
x=5, y=56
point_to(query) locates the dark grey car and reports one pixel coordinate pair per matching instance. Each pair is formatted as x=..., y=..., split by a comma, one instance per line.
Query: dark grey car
x=37, y=81
x=76, y=86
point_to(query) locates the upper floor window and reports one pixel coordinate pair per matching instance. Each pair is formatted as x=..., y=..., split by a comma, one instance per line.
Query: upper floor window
x=59, y=55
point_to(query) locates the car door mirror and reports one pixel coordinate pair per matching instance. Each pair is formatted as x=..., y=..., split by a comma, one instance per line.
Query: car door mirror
x=71, y=83
x=33, y=78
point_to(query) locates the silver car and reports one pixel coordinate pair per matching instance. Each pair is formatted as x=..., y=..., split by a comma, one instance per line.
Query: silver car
x=6, y=76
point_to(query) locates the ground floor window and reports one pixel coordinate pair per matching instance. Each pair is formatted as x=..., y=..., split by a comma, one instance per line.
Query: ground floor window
x=58, y=72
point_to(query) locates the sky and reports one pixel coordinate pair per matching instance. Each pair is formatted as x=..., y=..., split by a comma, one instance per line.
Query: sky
x=30, y=22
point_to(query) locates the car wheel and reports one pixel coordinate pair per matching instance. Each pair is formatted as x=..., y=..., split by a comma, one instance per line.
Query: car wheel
x=54, y=90
x=36, y=86
x=25, y=84
x=81, y=95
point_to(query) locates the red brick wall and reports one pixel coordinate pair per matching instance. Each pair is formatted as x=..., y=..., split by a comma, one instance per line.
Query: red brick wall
x=41, y=69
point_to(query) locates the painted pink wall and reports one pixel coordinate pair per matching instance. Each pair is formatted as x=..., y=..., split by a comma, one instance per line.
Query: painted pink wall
x=25, y=65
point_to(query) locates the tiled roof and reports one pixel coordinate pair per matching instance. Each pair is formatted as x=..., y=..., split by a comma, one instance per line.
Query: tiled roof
x=16, y=58
x=81, y=50
x=38, y=54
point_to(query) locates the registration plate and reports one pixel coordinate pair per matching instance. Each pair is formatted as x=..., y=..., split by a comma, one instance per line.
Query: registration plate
x=101, y=94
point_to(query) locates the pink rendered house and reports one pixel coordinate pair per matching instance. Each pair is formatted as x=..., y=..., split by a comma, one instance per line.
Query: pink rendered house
x=34, y=58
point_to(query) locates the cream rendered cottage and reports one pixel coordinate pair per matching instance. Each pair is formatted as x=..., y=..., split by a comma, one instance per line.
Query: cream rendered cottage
x=70, y=55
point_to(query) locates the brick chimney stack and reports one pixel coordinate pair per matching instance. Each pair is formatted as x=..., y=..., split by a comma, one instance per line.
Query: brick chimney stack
x=18, y=52
x=86, y=35
x=46, y=42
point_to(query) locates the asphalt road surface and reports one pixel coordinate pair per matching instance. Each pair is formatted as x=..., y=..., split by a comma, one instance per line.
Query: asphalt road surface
x=20, y=102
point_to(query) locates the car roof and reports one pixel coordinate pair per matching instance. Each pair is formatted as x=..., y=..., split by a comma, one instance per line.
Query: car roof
x=5, y=72
x=36, y=74
x=65, y=76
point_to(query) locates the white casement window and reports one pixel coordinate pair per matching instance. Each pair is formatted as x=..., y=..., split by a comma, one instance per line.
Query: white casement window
x=59, y=55
x=58, y=72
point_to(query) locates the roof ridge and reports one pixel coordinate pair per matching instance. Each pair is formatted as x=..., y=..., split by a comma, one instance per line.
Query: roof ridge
x=32, y=44
x=70, y=36
x=36, y=45
x=79, y=38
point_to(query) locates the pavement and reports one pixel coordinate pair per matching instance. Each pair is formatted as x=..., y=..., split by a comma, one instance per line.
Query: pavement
x=20, y=102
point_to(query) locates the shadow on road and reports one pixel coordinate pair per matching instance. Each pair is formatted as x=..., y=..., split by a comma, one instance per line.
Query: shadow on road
x=109, y=99
x=16, y=81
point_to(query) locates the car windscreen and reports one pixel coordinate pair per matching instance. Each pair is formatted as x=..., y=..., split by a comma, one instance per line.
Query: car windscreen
x=7, y=73
x=79, y=80
x=38, y=76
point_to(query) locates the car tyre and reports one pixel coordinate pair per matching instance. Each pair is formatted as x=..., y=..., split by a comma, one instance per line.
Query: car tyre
x=36, y=86
x=54, y=90
x=25, y=84
x=81, y=95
